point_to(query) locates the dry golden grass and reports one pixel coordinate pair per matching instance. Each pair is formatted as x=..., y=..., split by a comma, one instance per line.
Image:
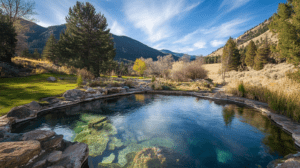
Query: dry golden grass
x=43, y=66
x=212, y=68
x=270, y=85
x=165, y=84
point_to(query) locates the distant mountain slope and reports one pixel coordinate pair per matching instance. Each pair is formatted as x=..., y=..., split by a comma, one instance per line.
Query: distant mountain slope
x=126, y=47
x=258, y=33
x=177, y=54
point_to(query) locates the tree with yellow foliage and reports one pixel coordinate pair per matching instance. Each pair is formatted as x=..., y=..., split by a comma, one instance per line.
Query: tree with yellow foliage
x=139, y=66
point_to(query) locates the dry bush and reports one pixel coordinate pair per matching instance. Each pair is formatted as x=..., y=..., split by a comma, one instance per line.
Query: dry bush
x=130, y=83
x=96, y=83
x=196, y=71
x=183, y=71
x=85, y=74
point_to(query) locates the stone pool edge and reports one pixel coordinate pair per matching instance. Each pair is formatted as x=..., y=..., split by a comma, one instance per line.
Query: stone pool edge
x=285, y=123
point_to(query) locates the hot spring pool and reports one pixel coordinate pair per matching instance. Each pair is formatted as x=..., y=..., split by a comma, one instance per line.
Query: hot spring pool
x=189, y=132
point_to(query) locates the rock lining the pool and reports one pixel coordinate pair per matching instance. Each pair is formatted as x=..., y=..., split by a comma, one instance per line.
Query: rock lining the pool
x=71, y=104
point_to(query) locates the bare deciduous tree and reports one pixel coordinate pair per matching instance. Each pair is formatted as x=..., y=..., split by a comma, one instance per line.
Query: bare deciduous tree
x=16, y=10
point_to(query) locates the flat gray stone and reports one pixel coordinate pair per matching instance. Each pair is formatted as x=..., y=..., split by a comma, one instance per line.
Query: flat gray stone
x=39, y=135
x=55, y=156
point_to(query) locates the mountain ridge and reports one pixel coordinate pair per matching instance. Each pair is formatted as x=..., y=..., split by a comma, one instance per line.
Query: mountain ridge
x=126, y=47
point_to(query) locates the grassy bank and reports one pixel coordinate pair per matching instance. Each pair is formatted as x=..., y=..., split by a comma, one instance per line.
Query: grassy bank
x=23, y=90
x=282, y=102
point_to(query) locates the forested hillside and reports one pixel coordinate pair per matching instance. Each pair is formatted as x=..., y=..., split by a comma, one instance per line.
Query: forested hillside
x=126, y=47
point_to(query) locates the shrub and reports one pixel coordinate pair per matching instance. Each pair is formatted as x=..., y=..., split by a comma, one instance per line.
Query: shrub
x=129, y=83
x=241, y=89
x=85, y=74
x=295, y=76
x=96, y=83
x=165, y=87
x=79, y=80
x=153, y=79
x=195, y=71
x=183, y=71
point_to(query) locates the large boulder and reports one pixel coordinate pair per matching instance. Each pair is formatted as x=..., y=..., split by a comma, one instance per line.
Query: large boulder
x=51, y=100
x=15, y=154
x=52, y=143
x=34, y=105
x=51, y=79
x=289, y=161
x=74, y=156
x=40, y=135
x=73, y=94
x=21, y=112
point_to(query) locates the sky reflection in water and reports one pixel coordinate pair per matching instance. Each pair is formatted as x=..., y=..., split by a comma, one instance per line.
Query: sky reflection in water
x=209, y=133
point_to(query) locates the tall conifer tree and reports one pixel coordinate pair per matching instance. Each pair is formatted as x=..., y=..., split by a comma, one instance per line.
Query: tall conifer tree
x=231, y=55
x=286, y=23
x=262, y=55
x=250, y=54
x=86, y=41
x=49, y=52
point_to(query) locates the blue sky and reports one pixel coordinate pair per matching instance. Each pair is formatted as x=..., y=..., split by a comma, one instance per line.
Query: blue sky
x=187, y=26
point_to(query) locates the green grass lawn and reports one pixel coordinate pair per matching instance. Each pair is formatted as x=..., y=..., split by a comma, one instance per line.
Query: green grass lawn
x=23, y=90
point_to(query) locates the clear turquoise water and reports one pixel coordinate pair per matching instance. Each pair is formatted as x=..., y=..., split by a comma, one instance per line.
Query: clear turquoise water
x=201, y=133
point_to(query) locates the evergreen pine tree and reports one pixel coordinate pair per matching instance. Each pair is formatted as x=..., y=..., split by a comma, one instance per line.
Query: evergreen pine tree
x=231, y=55
x=286, y=23
x=36, y=54
x=26, y=53
x=8, y=39
x=250, y=54
x=86, y=41
x=262, y=55
x=49, y=52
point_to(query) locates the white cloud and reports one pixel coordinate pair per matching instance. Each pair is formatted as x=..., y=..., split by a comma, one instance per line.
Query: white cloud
x=117, y=29
x=233, y=4
x=216, y=43
x=200, y=44
x=153, y=16
x=183, y=49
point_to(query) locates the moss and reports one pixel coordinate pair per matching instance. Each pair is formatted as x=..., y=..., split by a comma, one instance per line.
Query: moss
x=61, y=98
x=96, y=121
x=44, y=103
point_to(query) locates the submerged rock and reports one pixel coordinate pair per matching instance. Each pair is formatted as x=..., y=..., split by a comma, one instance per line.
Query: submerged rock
x=109, y=159
x=13, y=154
x=115, y=142
x=95, y=135
x=95, y=121
x=134, y=147
x=148, y=158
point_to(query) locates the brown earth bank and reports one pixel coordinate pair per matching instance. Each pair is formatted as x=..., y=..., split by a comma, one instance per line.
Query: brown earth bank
x=41, y=148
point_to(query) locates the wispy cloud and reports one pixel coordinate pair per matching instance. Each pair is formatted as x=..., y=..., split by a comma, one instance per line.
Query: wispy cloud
x=216, y=43
x=232, y=4
x=117, y=29
x=200, y=44
x=153, y=17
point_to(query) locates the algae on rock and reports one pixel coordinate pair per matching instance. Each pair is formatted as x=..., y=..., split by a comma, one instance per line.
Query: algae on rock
x=109, y=159
x=115, y=142
x=97, y=139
